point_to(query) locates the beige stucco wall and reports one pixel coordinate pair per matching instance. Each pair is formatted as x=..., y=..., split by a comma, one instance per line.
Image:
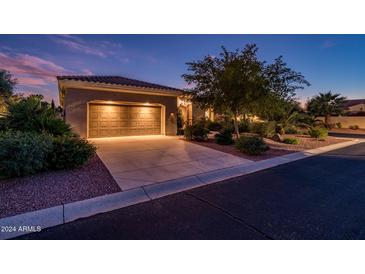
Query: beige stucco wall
x=198, y=113
x=359, y=107
x=76, y=100
x=347, y=121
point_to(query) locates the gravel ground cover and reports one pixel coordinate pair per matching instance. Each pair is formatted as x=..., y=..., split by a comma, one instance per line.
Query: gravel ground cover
x=305, y=142
x=349, y=131
x=276, y=148
x=47, y=189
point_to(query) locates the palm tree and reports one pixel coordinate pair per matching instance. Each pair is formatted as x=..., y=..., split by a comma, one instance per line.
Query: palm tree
x=326, y=104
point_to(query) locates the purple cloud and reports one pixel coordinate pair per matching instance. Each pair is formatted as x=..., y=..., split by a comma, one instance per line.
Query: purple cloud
x=87, y=72
x=24, y=66
x=101, y=49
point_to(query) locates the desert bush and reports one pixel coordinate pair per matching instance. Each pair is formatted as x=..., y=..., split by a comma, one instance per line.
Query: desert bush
x=34, y=115
x=26, y=153
x=224, y=137
x=188, y=132
x=265, y=129
x=291, y=141
x=228, y=125
x=23, y=153
x=70, y=152
x=291, y=130
x=355, y=127
x=244, y=126
x=213, y=125
x=196, y=131
x=280, y=129
x=320, y=133
x=303, y=131
x=252, y=145
x=338, y=125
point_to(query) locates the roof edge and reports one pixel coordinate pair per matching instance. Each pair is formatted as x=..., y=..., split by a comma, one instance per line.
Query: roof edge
x=99, y=79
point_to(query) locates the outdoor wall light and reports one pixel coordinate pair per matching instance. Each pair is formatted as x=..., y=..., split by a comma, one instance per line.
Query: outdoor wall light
x=172, y=117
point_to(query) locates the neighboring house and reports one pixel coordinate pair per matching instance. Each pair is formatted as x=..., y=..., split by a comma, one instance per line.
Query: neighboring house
x=354, y=107
x=110, y=106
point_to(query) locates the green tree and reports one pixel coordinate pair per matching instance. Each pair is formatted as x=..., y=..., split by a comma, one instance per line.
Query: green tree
x=7, y=84
x=283, y=112
x=283, y=82
x=326, y=104
x=231, y=82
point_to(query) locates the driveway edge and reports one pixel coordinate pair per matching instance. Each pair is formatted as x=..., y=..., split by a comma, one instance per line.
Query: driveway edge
x=45, y=218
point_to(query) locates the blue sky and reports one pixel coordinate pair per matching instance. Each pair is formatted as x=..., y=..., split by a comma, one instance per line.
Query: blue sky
x=329, y=62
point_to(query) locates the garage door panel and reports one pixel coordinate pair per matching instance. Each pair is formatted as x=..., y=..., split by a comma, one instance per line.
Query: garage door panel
x=93, y=115
x=123, y=115
x=116, y=120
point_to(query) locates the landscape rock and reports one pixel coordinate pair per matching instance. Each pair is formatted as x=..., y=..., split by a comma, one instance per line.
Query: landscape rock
x=277, y=138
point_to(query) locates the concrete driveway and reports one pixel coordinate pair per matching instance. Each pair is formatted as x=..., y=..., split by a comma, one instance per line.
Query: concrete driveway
x=145, y=160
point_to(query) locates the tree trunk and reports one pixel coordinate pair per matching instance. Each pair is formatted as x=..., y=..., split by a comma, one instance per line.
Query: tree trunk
x=235, y=121
x=326, y=118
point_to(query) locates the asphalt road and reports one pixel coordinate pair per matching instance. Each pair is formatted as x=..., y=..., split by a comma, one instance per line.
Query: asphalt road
x=321, y=197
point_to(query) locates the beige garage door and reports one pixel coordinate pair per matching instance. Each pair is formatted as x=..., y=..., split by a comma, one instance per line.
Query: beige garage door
x=123, y=120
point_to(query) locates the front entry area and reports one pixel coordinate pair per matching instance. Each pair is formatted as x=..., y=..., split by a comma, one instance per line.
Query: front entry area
x=110, y=120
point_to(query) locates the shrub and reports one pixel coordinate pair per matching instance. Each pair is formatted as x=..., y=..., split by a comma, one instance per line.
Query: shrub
x=279, y=129
x=265, y=129
x=70, y=152
x=252, y=145
x=244, y=126
x=354, y=127
x=188, y=132
x=196, y=131
x=291, y=141
x=34, y=115
x=338, y=125
x=57, y=127
x=224, y=137
x=320, y=133
x=213, y=125
x=291, y=130
x=330, y=126
x=23, y=153
x=228, y=125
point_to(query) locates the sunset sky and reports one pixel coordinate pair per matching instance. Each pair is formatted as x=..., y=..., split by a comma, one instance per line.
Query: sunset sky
x=329, y=62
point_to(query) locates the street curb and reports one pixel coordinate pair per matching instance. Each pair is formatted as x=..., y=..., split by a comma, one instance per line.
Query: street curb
x=102, y=204
x=159, y=190
x=22, y=223
x=58, y=215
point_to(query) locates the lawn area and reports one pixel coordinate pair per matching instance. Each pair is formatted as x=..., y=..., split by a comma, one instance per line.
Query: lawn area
x=52, y=188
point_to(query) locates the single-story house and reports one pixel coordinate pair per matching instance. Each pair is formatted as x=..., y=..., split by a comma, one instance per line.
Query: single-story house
x=111, y=106
x=354, y=107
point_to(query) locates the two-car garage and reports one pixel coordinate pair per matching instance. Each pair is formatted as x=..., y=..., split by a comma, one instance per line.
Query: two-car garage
x=113, y=106
x=110, y=120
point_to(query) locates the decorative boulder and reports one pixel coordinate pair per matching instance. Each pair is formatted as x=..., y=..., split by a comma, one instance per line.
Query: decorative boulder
x=278, y=138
